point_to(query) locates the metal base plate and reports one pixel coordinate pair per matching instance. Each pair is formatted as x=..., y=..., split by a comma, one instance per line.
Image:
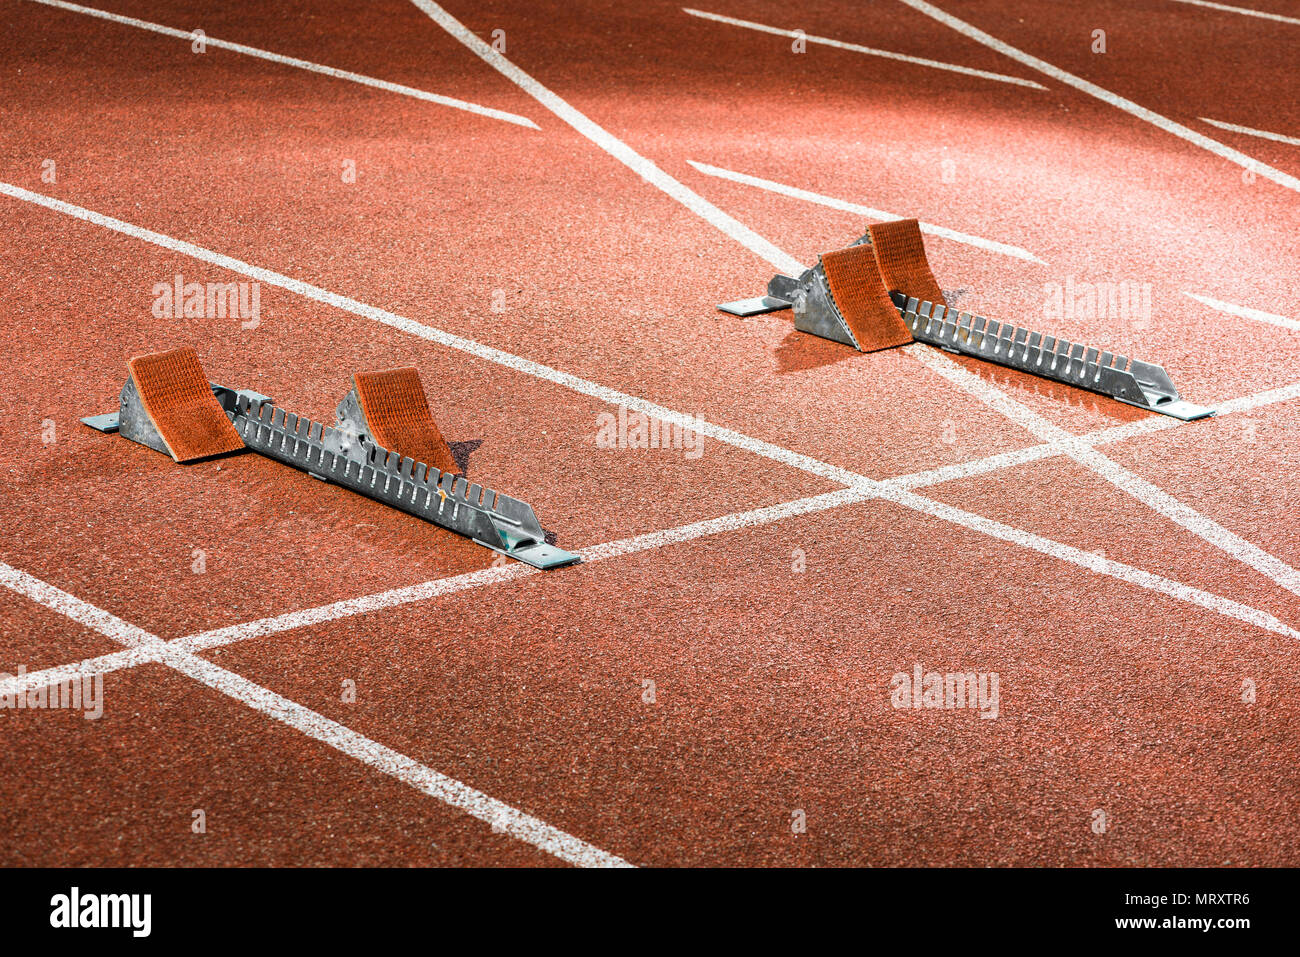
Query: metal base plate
x=104, y=422
x=541, y=555
x=1179, y=409
x=754, y=307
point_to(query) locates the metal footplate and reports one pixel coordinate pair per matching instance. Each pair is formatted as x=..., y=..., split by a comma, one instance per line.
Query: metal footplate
x=1127, y=380
x=780, y=295
x=502, y=523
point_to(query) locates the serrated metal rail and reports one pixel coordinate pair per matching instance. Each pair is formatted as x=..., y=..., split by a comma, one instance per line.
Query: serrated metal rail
x=502, y=523
x=1142, y=384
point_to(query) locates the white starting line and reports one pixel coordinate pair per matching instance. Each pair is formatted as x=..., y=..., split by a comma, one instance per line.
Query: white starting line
x=518, y=824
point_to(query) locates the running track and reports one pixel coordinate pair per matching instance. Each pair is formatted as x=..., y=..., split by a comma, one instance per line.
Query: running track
x=544, y=233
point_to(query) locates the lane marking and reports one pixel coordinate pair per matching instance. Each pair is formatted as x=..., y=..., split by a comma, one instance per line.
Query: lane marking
x=1245, y=312
x=1117, y=433
x=82, y=612
x=845, y=477
x=795, y=192
x=1250, y=131
x=219, y=637
x=438, y=587
x=611, y=144
x=865, y=491
x=189, y=646
x=1242, y=10
x=1106, y=96
x=870, y=51
x=364, y=605
x=1160, y=501
x=411, y=327
x=1103, y=566
x=77, y=670
x=501, y=816
x=371, y=81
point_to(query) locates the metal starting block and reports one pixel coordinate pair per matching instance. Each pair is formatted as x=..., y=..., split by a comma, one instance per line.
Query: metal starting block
x=840, y=299
x=160, y=414
x=1142, y=384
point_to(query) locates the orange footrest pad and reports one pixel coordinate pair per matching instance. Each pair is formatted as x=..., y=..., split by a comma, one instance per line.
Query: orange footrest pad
x=900, y=253
x=176, y=395
x=399, y=419
x=863, y=299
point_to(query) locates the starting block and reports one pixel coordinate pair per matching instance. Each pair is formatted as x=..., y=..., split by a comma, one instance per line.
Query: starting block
x=168, y=405
x=843, y=298
x=840, y=299
x=1127, y=380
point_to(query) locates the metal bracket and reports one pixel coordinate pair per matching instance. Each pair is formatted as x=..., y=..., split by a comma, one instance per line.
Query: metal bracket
x=814, y=306
x=780, y=295
x=1142, y=384
x=133, y=422
x=499, y=522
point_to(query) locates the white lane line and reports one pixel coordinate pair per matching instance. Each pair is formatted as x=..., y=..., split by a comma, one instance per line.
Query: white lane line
x=866, y=490
x=411, y=327
x=188, y=35
x=1273, y=568
x=83, y=613
x=366, y=604
x=1247, y=403
x=1106, y=96
x=611, y=144
x=1102, y=566
x=870, y=51
x=758, y=447
x=1245, y=312
x=13, y=684
x=424, y=591
x=1251, y=131
x=1117, y=433
x=794, y=192
x=1242, y=10
x=518, y=824
x=500, y=815
x=186, y=648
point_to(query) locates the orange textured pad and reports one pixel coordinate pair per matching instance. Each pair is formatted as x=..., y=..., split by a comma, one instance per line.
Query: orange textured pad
x=178, y=399
x=395, y=409
x=900, y=252
x=863, y=300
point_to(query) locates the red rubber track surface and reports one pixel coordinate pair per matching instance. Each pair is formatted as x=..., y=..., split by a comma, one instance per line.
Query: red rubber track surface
x=771, y=649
